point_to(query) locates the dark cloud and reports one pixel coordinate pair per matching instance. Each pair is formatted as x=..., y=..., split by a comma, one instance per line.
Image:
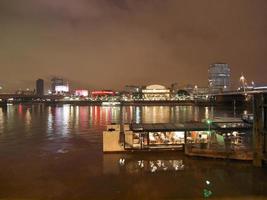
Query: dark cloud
x=111, y=43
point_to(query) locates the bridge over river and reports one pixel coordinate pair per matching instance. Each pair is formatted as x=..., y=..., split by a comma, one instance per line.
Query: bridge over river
x=5, y=97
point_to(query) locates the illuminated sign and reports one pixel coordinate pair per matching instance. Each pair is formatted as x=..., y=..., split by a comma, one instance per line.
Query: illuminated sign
x=95, y=93
x=62, y=88
x=83, y=93
x=155, y=91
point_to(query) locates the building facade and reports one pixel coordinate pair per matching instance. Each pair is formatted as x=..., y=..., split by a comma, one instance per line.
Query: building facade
x=132, y=92
x=40, y=87
x=58, y=86
x=103, y=95
x=56, y=82
x=81, y=93
x=156, y=93
x=219, y=77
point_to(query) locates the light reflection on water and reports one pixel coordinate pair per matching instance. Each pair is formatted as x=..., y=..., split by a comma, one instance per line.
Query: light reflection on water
x=55, y=152
x=153, y=166
x=58, y=125
x=49, y=121
x=1, y=120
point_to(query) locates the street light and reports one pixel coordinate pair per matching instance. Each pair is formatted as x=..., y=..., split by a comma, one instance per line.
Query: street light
x=196, y=91
x=243, y=82
x=242, y=78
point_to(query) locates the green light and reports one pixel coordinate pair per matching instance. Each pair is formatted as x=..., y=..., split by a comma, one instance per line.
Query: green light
x=209, y=121
x=207, y=193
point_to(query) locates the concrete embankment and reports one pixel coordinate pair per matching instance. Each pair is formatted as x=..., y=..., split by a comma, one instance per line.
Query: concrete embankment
x=137, y=103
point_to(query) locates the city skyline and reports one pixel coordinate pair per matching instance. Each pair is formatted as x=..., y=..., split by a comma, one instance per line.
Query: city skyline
x=110, y=44
x=133, y=99
x=49, y=86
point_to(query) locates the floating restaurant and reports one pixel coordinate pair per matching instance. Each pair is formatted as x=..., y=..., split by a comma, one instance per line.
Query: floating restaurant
x=171, y=136
x=220, y=138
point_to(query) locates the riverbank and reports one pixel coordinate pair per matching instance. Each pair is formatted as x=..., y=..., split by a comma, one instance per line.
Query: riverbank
x=131, y=103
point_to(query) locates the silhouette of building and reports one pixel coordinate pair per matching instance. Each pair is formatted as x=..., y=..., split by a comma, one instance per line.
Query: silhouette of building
x=40, y=87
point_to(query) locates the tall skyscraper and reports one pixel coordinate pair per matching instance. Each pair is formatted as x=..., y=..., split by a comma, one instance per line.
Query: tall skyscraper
x=40, y=87
x=219, y=77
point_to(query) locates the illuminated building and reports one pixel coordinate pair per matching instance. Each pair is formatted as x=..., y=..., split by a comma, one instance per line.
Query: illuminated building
x=183, y=95
x=81, y=93
x=219, y=77
x=56, y=82
x=58, y=86
x=60, y=89
x=201, y=92
x=27, y=92
x=156, y=93
x=133, y=92
x=103, y=95
x=40, y=87
x=132, y=88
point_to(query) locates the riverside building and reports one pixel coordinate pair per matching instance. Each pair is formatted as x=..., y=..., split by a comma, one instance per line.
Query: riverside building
x=156, y=93
x=219, y=77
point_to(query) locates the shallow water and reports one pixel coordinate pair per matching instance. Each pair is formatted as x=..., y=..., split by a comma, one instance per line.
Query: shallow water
x=55, y=152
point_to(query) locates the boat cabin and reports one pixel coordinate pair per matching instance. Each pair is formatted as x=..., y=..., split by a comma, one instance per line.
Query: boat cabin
x=166, y=136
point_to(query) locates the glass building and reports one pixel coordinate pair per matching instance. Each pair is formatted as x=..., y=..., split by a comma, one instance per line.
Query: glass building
x=219, y=77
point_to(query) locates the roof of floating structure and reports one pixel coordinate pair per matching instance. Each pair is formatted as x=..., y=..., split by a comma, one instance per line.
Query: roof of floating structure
x=190, y=126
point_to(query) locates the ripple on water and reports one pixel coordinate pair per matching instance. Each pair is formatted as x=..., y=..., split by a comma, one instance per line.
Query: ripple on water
x=59, y=156
x=62, y=151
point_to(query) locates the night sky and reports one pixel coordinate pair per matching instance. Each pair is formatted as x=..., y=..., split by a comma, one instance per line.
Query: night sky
x=108, y=44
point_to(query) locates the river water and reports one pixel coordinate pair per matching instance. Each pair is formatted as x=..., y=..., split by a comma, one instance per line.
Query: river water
x=55, y=152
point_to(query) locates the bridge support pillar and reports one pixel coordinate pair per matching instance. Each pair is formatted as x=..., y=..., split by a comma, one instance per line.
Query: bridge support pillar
x=258, y=139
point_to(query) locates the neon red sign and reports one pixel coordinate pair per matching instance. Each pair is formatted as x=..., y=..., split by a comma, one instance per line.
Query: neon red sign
x=102, y=92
